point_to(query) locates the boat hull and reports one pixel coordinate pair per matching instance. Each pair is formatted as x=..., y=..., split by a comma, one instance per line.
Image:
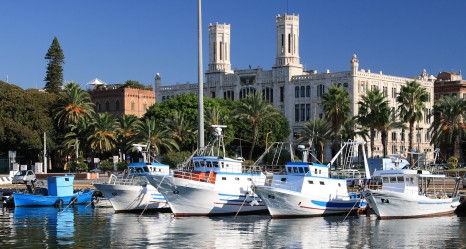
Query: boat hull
x=22, y=200
x=394, y=205
x=283, y=203
x=130, y=198
x=192, y=198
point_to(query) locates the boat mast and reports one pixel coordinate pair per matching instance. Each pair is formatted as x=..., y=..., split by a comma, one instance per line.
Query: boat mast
x=200, y=139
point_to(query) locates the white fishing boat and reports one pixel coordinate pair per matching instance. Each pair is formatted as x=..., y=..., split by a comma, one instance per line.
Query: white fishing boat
x=405, y=193
x=131, y=192
x=213, y=185
x=306, y=189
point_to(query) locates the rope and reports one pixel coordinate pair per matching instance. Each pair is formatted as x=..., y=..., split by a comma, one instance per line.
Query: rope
x=73, y=199
x=147, y=204
x=359, y=200
x=245, y=198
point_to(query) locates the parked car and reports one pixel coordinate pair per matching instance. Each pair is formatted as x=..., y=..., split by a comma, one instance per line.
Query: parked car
x=23, y=176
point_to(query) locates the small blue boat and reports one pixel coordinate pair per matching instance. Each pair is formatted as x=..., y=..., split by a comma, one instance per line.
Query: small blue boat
x=59, y=192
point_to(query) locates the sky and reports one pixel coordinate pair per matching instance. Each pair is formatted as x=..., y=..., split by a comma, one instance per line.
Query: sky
x=123, y=40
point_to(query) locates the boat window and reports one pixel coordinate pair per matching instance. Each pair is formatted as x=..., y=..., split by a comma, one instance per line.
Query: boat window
x=223, y=164
x=196, y=164
x=224, y=178
x=249, y=179
x=295, y=169
x=283, y=179
x=339, y=185
x=145, y=169
x=411, y=180
x=400, y=179
x=215, y=164
x=385, y=179
x=320, y=171
x=310, y=182
x=315, y=171
x=301, y=170
x=209, y=164
x=322, y=183
x=306, y=169
x=237, y=178
x=393, y=179
x=289, y=170
x=67, y=179
x=202, y=163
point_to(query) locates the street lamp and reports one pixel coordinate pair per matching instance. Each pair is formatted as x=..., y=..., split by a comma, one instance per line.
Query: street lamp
x=266, y=139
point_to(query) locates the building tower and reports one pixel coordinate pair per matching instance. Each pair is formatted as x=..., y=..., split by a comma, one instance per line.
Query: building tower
x=219, y=48
x=157, y=81
x=354, y=64
x=287, y=40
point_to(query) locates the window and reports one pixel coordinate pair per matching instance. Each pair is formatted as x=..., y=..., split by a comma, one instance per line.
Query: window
x=289, y=43
x=224, y=178
x=221, y=50
x=320, y=90
x=144, y=105
x=310, y=182
x=107, y=106
x=290, y=170
x=301, y=170
x=322, y=183
x=393, y=136
x=236, y=178
x=296, y=113
x=302, y=92
x=117, y=105
x=302, y=112
x=283, y=179
x=212, y=95
x=97, y=106
x=133, y=105
x=296, y=92
x=308, y=91
x=282, y=94
x=295, y=169
x=308, y=112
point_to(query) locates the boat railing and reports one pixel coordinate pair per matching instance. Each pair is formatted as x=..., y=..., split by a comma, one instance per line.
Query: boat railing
x=127, y=179
x=208, y=177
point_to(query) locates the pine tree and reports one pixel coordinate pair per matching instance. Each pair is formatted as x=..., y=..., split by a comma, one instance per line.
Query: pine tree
x=54, y=77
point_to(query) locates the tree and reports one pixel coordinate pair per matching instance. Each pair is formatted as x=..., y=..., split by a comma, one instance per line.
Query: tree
x=373, y=109
x=448, y=126
x=336, y=108
x=255, y=110
x=102, y=135
x=411, y=105
x=126, y=131
x=73, y=104
x=385, y=126
x=316, y=131
x=54, y=76
x=160, y=139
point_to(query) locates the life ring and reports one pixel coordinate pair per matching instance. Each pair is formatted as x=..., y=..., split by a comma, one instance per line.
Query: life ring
x=58, y=202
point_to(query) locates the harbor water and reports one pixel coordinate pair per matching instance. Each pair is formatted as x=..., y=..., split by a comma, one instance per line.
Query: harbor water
x=85, y=227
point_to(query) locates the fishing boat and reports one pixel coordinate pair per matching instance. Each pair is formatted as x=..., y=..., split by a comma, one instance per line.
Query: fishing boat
x=59, y=192
x=306, y=189
x=130, y=192
x=406, y=193
x=210, y=184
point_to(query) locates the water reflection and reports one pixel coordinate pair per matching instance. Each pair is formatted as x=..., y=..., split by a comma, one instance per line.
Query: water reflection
x=101, y=228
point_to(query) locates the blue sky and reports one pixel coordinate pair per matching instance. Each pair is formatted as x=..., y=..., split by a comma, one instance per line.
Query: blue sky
x=121, y=40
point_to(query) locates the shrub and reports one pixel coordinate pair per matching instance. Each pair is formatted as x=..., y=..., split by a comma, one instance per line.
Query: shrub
x=106, y=165
x=174, y=158
x=122, y=166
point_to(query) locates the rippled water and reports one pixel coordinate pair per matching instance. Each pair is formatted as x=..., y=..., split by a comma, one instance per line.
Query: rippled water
x=84, y=227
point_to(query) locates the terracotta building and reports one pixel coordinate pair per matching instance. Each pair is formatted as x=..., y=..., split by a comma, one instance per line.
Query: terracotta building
x=449, y=84
x=119, y=100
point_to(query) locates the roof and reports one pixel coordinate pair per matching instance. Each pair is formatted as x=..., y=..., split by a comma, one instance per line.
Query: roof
x=96, y=82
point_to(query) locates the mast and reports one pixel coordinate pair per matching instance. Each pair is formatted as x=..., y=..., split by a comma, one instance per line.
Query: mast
x=200, y=139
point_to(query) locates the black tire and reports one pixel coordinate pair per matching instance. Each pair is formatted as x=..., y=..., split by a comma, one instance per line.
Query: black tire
x=58, y=202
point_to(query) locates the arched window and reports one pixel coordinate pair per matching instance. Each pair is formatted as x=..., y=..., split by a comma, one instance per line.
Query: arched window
x=133, y=105
x=97, y=106
x=302, y=91
x=107, y=106
x=144, y=105
x=308, y=91
x=117, y=105
x=296, y=92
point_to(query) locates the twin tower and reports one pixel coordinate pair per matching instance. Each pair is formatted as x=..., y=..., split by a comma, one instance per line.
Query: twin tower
x=287, y=44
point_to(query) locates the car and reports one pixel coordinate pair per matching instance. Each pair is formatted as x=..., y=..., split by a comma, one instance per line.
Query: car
x=24, y=176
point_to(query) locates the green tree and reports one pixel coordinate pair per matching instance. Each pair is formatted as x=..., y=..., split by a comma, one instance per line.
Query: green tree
x=73, y=104
x=176, y=123
x=255, y=110
x=125, y=132
x=134, y=84
x=411, y=105
x=336, y=109
x=373, y=109
x=56, y=59
x=385, y=126
x=159, y=138
x=448, y=126
x=316, y=131
x=102, y=135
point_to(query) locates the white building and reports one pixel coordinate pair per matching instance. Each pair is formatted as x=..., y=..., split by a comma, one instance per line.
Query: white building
x=295, y=92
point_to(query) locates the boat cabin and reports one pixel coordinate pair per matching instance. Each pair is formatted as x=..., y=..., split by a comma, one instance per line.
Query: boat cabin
x=303, y=168
x=217, y=164
x=402, y=181
x=142, y=168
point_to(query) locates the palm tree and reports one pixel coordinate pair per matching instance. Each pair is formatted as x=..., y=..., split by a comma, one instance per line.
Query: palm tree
x=336, y=108
x=74, y=103
x=125, y=131
x=319, y=131
x=159, y=139
x=386, y=125
x=75, y=138
x=255, y=110
x=177, y=124
x=373, y=109
x=448, y=126
x=102, y=135
x=411, y=105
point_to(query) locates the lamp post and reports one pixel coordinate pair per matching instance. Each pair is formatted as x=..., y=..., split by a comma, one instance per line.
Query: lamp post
x=266, y=139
